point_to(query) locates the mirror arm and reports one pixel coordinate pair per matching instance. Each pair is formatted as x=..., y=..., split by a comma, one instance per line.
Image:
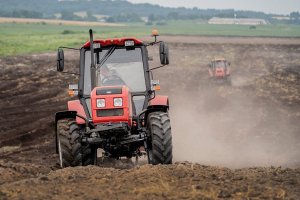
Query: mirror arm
x=153, y=43
x=156, y=67
x=67, y=48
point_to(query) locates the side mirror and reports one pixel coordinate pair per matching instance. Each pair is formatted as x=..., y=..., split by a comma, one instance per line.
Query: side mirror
x=60, y=60
x=210, y=65
x=229, y=63
x=164, y=53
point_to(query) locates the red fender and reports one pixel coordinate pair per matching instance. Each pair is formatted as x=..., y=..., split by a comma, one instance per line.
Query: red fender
x=159, y=100
x=76, y=106
x=227, y=72
x=211, y=73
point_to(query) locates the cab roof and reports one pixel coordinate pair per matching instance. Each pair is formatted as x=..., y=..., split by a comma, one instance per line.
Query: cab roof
x=113, y=41
x=218, y=60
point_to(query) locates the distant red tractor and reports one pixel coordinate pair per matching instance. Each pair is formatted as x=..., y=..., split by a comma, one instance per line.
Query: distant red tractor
x=219, y=73
x=117, y=109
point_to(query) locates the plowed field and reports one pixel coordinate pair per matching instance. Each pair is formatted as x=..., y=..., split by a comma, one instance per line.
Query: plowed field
x=250, y=130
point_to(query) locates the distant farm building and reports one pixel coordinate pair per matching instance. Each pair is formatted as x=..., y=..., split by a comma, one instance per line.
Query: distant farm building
x=144, y=19
x=241, y=21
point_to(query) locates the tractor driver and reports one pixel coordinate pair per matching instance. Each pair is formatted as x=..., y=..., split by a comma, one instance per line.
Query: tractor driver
x=110, y=76
x=105, y=72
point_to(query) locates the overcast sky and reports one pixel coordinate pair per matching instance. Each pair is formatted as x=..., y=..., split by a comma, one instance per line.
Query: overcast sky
x=268, y=6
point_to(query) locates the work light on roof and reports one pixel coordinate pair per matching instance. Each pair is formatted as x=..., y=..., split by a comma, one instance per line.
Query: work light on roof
x=129, y=43
x=96, y=45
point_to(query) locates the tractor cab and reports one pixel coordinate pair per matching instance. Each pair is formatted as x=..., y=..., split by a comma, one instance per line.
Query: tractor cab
x=219, y=72
x=123, y=67
x=219, y=64
x=117, y=109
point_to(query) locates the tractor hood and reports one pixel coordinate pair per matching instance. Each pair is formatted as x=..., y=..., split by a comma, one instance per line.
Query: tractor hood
x=111, y=104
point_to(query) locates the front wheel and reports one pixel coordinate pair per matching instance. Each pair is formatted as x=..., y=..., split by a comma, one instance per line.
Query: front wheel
x=71, y=152
x=69, y=145
x=158, y=125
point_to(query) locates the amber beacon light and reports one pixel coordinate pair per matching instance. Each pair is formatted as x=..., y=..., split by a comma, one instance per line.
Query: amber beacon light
x=155, y=33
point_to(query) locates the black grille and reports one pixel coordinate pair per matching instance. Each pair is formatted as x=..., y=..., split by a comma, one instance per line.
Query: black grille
x=108, y=91
x=110, y=112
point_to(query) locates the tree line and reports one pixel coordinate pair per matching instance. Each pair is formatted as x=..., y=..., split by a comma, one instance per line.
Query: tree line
x=65, y=15
x=123, y=11
x=117, y=7
x=134, y=17
x=22, y=14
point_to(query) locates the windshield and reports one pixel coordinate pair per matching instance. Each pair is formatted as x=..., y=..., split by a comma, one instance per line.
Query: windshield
x=220, y=64
x=123, y=67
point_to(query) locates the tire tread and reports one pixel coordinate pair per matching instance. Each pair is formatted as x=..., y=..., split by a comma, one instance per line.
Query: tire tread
x=160, y=128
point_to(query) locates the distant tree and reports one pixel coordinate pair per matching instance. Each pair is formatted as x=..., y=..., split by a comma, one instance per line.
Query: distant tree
x=207, y=17
x=173, y=16
x=183, y=17
x=110, y=19
x=27, y=14
x=67, y=32
x=159, y=17
x=90, y=17
x=133, y=17
x=50, y=17
x=151, y=17
x=294, y=15
x=161, y=24
x=68, y=15
x=127, y=17
x=5, y=13
x=192, y=16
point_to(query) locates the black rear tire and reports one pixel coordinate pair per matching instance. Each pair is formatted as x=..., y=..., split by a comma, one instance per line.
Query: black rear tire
x=71, y=152
x=161, y=138
x=228, y=80
x=211, y=82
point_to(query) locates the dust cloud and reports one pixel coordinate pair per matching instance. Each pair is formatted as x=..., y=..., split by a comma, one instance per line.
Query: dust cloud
x=224, y=127
x=248, y=124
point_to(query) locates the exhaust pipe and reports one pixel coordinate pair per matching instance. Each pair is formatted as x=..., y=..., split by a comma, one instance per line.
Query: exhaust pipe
x=93, y=68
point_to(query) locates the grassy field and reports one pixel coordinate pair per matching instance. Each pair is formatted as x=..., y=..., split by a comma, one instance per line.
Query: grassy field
x=195, y=28
x=18, y=38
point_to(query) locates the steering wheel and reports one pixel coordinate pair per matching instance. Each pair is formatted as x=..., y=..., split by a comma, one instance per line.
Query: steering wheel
x=116, y=81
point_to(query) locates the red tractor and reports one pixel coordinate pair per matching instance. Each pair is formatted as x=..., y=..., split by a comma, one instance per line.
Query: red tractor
x=117, y=109
x=219, y=73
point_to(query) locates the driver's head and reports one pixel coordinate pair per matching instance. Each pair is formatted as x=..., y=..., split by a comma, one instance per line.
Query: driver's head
x=104, y=70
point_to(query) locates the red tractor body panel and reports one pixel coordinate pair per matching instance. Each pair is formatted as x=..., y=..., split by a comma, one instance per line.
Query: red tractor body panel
x=159, y=100
x=76, y=106
x=211, y=74
x=114, y=41
x=117, y=114
x=219, y=73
